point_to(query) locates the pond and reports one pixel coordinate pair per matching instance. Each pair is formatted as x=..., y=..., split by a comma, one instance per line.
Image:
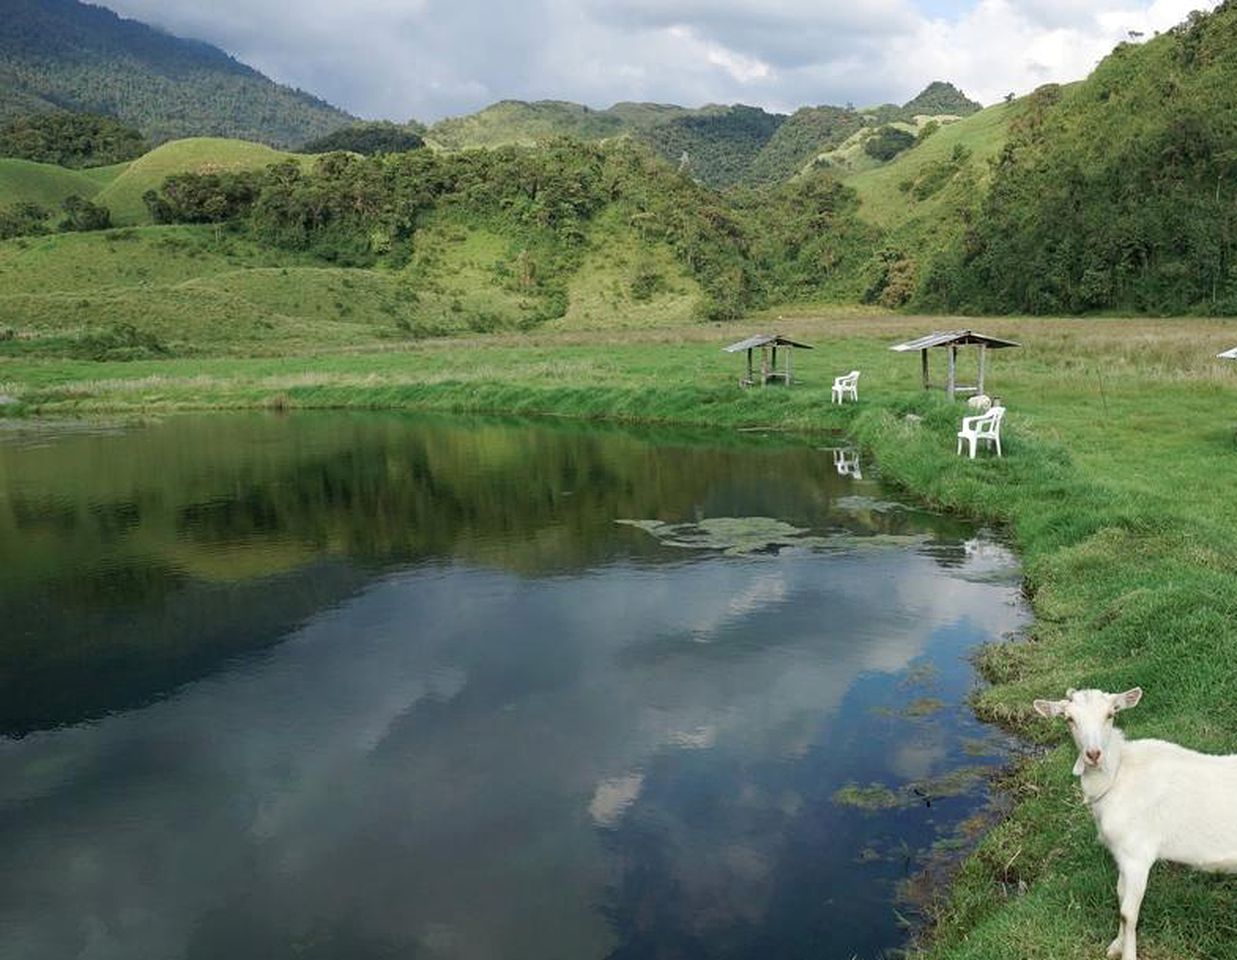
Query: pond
x=377, y=685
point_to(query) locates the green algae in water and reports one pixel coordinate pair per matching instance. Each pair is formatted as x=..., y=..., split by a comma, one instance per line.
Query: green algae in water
x=924, y=707
x=879, y=796
x=743, y=536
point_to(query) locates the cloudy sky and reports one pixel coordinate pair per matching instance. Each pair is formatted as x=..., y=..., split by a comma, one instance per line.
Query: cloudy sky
x=433, y=58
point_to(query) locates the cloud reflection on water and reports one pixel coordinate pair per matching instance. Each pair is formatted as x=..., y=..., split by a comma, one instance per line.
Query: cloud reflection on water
x=424, y=768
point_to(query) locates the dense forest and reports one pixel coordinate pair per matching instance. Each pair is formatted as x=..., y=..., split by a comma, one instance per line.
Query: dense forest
x=70, y=139
x=61, y=54
x=1118, y=193
x=369, y=138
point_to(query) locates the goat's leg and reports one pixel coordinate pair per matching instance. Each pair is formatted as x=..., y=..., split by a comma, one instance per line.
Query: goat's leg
x=1134, y=873
x=1114, y=948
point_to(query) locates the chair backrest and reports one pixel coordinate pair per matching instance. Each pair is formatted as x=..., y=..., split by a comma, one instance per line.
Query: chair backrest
x=990, y=422
x=848, y=380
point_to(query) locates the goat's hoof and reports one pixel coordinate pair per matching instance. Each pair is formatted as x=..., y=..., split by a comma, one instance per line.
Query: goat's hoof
x=1114, y=949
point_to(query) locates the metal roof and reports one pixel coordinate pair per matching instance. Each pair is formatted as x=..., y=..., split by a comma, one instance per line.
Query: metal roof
x=945, y=338
x=764, y=339
x=1228, y=354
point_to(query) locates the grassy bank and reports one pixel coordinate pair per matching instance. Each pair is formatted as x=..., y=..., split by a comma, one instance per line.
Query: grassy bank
x=1116, y=489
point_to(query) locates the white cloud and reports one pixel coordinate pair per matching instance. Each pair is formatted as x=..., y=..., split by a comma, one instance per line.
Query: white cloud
x=430, y=58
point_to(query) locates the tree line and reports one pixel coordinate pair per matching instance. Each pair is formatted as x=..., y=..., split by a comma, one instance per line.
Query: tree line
x=745, y=251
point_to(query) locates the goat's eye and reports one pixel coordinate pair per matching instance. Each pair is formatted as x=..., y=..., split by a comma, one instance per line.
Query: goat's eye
x=1070, y=721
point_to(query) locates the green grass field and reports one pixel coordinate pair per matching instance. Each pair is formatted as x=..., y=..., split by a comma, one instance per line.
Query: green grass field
x=1119, y=443
x=45, y=183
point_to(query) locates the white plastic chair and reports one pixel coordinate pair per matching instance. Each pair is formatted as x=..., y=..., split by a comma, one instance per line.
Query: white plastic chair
x=847, y=386
x=985, y=427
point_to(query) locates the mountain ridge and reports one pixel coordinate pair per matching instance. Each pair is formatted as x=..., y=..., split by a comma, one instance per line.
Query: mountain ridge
x=63, y=54
x=722, y=145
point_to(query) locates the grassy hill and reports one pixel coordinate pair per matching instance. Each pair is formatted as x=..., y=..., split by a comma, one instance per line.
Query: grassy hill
x=919, y=204
x=910, y=187
x=44, y=183
x=520, y=122
x=720, y=142
x=69, y=55
x=123, y=195
x=184, y=290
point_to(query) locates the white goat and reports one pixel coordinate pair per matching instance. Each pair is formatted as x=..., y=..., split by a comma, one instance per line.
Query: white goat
x=1151, y=799
x=981, y=403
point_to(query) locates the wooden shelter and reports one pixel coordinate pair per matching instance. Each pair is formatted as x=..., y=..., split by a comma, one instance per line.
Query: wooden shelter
x=951, y=340
x=768, y=344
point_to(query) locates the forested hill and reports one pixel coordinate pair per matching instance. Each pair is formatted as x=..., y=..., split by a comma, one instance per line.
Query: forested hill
x=719, y=145
x=939, y=98
x=1117, y=193
x=61, y=54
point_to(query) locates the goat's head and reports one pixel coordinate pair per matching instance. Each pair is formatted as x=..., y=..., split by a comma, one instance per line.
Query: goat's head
x=1089, y=714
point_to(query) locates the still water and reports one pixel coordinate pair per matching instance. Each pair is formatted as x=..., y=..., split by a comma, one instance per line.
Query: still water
x=363, y=686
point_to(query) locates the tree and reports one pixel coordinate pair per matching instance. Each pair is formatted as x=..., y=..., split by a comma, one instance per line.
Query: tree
x=368, y=139
x=81, y=214
x=70, y=139
x=888, y=142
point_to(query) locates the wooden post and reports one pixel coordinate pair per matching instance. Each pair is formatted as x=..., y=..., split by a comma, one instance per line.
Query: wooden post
x=764, y=365
x=750, y=378
x=953, y=369
x=790, y=365
x=923, y=356
x=983, y=352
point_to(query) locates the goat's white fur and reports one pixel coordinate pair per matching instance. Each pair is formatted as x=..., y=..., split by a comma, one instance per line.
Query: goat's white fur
x=981, y=402
x=1151, y=799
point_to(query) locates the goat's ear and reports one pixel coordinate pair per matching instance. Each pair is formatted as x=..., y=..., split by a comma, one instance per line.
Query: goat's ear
x=1123, y=701
x=1050, y=708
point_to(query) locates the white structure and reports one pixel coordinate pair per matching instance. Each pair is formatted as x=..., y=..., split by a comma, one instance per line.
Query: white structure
x=846, y=462
x=847, y=386
x=986, y=428
x=981, y=402
x=1151, y=799
x=1228, y=354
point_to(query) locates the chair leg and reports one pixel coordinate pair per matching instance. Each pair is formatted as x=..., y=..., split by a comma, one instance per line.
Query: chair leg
x=973, y=443
x=998, y=445
x=958, y=452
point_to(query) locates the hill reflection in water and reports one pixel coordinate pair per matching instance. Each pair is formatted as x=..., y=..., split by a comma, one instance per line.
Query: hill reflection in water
x=375, y=686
